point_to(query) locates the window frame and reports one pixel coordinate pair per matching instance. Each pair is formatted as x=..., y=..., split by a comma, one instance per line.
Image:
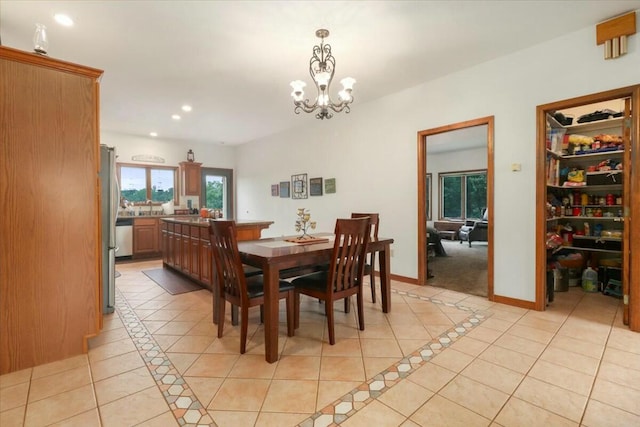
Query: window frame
x=463, y=200
x=148, y=168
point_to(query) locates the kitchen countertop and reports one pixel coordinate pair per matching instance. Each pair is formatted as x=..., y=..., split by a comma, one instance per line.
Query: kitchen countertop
x=204, y=222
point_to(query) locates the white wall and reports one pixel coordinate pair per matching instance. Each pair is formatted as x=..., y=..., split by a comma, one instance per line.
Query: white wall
x=373, y=156
x=455, y=161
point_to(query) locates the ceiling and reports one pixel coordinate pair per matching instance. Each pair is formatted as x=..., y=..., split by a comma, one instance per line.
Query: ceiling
x=233, y=60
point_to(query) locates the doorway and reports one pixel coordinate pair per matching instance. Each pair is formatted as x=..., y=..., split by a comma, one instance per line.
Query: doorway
x=454, y=138
x=217, y=190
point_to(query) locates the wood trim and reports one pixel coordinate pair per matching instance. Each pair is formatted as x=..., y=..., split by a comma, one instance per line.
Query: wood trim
x=624, y=25
x=422, y=216
x=403, y=279
x=634, y=208
x=529, y=305
x=47, y=62
x=634, y=200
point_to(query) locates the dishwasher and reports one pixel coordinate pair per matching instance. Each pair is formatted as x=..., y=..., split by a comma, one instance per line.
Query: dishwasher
x=124, y=237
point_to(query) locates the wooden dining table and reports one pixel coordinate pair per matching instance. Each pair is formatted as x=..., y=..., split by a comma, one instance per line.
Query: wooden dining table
x=276, y=255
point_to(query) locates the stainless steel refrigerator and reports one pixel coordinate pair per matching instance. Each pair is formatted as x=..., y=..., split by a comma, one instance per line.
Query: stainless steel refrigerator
x=110, y=198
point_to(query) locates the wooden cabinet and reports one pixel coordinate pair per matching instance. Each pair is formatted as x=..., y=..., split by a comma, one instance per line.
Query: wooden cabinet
x=50, y=247
x=146, y=241
x=189, y=249
x=191, y=178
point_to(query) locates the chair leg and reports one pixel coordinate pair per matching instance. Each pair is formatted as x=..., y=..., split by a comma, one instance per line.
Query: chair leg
x=328, y=306
x=234, y=315
x=244, y=324
x=360, y=300
x=373, y=285
x=221, y=307
x=290, y=313
x=296, y=309
x=262, y=314
x=347, y=305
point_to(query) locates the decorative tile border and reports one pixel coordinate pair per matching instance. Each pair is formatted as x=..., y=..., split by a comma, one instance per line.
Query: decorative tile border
x=349, y=404
x=189, y=411
x=184, y=404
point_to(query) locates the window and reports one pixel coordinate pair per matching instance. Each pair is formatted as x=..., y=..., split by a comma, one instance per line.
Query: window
x=463, y=194
x=217, y=185
x=141, y=183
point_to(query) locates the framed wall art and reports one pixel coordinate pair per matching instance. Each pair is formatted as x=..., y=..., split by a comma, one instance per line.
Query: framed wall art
x=315, y=186
x=275, y=190
x=299, y=186
x=330, y=185
x=284, y=189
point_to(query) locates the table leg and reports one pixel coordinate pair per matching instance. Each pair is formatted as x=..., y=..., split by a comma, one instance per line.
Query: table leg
x=384, y=259
x=271, y=318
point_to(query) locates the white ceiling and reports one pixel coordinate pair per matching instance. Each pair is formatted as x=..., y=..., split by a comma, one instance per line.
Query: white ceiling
x=233, y=60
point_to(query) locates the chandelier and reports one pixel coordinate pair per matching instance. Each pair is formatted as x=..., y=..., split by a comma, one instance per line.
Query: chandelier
x=322, y=67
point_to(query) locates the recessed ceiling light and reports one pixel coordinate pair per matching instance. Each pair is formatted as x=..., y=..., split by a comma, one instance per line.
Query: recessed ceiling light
x=176, y=117
x=63, y=19
x=154, y=134
x=186, y=108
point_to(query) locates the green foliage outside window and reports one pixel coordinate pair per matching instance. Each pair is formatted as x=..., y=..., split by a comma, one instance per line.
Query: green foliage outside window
x=215, y=193
x=463, y=195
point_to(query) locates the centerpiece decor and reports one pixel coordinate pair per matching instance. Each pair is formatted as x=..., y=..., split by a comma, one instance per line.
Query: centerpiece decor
x=303, y=223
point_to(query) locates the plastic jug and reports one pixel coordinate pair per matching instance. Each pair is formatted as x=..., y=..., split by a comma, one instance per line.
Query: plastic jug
x=589, y=280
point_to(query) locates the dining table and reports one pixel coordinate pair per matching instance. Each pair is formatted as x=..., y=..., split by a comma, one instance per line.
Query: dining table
x=277, y=255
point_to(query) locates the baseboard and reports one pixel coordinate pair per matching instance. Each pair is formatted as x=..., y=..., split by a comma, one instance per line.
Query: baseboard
x=530, y=305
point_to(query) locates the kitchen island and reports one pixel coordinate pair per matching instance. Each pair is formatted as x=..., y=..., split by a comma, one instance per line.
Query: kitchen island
x=186, y=247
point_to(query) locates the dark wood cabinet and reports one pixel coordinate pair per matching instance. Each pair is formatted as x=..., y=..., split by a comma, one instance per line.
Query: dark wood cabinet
x=188, y=247
x=191, y=178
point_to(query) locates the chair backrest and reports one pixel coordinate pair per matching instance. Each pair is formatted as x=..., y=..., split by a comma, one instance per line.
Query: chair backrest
x=230, y=273
x=349, y=252
x=374, y=221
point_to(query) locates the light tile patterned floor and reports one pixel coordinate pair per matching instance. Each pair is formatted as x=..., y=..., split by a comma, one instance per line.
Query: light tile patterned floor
x=440, y=358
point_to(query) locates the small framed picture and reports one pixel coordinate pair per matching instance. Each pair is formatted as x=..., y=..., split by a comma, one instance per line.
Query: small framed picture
x=315, y=186
x=330, y=185
x=284, y=189
x=299, y=186
x=275, y=190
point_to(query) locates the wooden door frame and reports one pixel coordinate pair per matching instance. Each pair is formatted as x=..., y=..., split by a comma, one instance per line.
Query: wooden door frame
x=631, y=274
x=422, y=187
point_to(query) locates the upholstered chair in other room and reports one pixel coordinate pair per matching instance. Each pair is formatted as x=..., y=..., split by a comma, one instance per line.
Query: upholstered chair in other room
x=234, y=286
x=345, y=273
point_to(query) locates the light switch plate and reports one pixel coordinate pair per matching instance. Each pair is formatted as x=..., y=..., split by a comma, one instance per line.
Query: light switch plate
x=516, y=167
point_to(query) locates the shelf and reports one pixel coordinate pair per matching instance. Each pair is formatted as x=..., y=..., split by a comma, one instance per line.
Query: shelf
x=589, y=187
x=591, y=249
x=591, y=126
x=598, y=154
x=599, y=218
x=607, y=239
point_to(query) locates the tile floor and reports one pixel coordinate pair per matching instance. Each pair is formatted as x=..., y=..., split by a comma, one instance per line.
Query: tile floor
x=440, y=358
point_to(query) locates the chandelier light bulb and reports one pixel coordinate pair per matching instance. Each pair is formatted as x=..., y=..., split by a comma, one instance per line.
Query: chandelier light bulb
x=347, y=83
x=321, y=68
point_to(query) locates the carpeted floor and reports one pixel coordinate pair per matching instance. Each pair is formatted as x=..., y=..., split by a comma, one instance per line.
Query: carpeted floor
x=464, y=269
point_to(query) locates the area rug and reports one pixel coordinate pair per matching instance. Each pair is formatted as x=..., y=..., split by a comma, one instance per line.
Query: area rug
x=170, y=281
x=464, y=269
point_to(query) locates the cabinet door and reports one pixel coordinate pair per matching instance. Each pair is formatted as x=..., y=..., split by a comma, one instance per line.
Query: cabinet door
x=195, y=258
x=206, y=262
x=145, y=237
x=191, y=178
x=186, y=253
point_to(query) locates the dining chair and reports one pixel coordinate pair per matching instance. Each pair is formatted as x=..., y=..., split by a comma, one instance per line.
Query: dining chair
x=234, y=286
x=344, y=276
x=374, y=221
